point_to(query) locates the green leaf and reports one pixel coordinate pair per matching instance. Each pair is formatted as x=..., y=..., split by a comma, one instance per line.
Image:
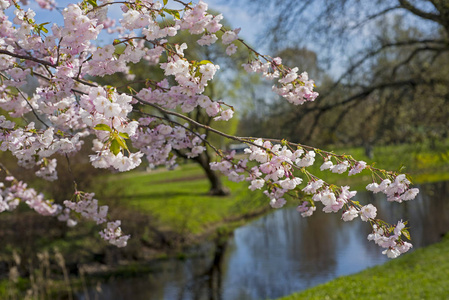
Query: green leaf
x=93, y=3
x=115, y=147
x=409, y=178
x=42, y=28
x=406, y=233
x=124, y=135
x=172, y=12
x=205, y=62
x=119, y=49
x=401, y=168
x=103, y=127
x=121, y=142
x=165, y=2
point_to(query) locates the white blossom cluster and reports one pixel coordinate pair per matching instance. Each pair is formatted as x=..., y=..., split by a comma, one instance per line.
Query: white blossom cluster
x=391, y=241
x=14, y=192
x=398, y=190
x=297, y=89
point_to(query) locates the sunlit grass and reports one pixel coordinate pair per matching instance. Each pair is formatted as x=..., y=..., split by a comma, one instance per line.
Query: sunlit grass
x=179, y=199
x=424, y=163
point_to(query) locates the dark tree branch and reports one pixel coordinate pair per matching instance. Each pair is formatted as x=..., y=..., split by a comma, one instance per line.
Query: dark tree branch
x=26, y=57
x=414, y=10
x=374, y=16
x=342, y=114
x=370, y=89
x=314, y=124
x=413, y=54
x=373, y=53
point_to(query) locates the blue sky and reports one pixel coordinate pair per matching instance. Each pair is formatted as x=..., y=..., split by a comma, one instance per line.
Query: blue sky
x=249, y=23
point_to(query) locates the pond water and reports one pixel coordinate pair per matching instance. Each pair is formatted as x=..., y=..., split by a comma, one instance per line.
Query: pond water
x=282, y=253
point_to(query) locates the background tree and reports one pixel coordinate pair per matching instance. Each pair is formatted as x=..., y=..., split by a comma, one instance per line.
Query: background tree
x=394, y=54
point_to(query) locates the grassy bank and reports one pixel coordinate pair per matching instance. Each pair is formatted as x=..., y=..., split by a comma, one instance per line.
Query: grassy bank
x=422, y=274
x=179, y=199
x=423, y=162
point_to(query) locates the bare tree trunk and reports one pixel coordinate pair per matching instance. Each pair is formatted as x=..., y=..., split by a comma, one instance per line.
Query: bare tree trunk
x=216, y=186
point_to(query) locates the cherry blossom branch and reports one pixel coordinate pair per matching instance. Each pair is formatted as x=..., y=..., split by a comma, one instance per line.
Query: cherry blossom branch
x=165, y=118
x=26, y=57
x=77, y=108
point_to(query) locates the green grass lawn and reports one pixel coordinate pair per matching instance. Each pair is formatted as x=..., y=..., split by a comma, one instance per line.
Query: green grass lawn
x=422, y=274
x=422, y=162
x=179, y=199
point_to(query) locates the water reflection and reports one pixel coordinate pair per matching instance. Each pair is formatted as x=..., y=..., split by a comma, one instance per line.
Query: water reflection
x=281, y=253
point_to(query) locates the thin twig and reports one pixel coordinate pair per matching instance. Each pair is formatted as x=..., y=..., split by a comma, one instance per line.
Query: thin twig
x=32, y=109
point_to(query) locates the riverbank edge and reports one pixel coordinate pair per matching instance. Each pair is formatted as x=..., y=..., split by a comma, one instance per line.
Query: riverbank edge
x=216, y=234
x=421, y=274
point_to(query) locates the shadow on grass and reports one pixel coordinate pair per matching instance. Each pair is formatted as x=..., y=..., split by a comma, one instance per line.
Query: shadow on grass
x=180, y=179
x=163, y=195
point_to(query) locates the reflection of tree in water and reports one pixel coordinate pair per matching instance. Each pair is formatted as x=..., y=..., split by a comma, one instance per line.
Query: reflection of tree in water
x=204, y=275
x=194, y=278
x=206, y=283
x=316, y=243
x=215, y=270
x=429, y=214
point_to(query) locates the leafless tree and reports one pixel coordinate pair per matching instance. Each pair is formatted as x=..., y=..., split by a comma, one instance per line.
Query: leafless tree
x=395, y=57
